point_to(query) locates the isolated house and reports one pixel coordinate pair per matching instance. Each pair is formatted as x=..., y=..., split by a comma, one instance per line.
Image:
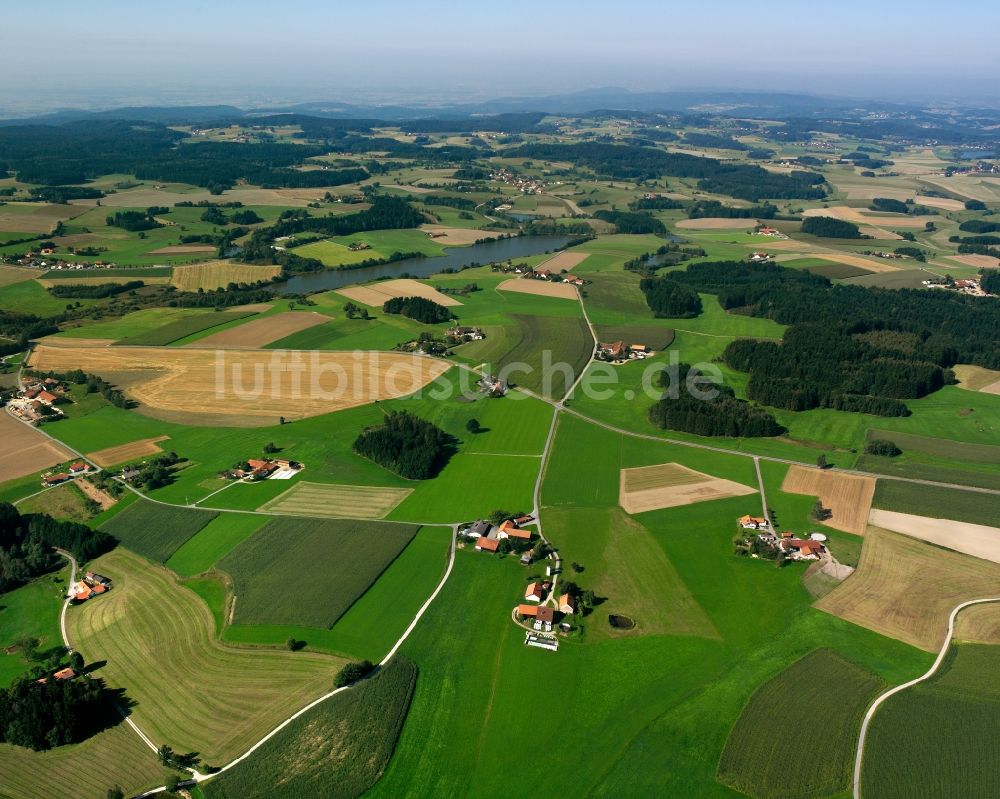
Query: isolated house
x=566, y=604
x=64, y=674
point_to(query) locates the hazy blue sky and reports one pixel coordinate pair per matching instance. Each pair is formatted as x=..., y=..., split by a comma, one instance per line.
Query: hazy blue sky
x=253, y=51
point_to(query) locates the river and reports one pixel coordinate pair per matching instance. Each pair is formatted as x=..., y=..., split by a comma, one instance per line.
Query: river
x=486, y=252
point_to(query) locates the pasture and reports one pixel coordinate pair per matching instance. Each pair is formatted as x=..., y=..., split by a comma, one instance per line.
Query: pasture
x=848, y=497
x=185, y=385
x=376, y=294
x=190, y=691
x=27, y=450
x=223, y=533
x=182, y=328
x=309, y=572
x=131, y=324
x=338, y=750
x=156, y=531
x=65, y=501
x=938, y=739
x=668, y=485
x=219, y=274
x=541, y=288
x=337, y=501
x=777, y=717
x=123, y=453
x=978, y=540
x=30, y=610
x=9, y=275
x=261, y=332
x=905, y=588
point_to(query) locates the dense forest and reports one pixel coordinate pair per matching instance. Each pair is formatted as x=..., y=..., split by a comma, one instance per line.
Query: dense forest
x=979, y=226
x=632, y=222
x=713, y=208
x=407, y=445
x=26, y=544
x=721, y=415
x=829, y=228
x=669, y=299
x=94, y=292
x=848, y=347
x=419, y=308
x=743, y=181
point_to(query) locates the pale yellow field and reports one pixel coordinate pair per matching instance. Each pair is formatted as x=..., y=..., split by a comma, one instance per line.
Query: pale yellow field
x=879, y=233
x=974, y=187
x=219, y=274
x=245, y=388
x=716, y=223
x=979, y=624
x=9, y=275
x=97, y=281
x=124, y=453
x=563, y=260
x=905, y=588
x=669, y=485
x=377, y=293
x=976, y=378
x=543, y=288
x=456, y=236
x=181, y=249
x=860, y=216
x=26, y=450
x=978, y=261
x=847, y=496
x=977, y=540
x=871, y=264
x=337, y=501
x=255, y=334
x=35, y=217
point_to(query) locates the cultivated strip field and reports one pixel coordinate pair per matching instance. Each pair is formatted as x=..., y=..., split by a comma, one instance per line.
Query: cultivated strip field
x=868, y=264
x=563, y=260
x=255, y=334
x=860, y=216
x=337, y=501
x=977, y=540
x=9, y=275
x=670, y=484
x=847, y=496
x=219, y=274
x=377, y=293
x=717, y=223
x=978, y=261
x=240, y=387
x=25, y=449
x=48, y=282
x=542, y=288
x=183, y=249
x=905, y=588
x=190, y=691
x=127, y=452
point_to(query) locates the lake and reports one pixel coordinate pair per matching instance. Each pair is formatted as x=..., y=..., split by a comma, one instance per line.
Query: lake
x=486, y=252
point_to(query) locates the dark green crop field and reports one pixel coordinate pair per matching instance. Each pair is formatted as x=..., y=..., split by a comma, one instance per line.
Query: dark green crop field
x=182, y=328
x=156, y=531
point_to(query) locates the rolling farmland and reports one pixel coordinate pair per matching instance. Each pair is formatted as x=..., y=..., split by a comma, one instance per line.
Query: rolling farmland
x=337, y=501
x=156, y=531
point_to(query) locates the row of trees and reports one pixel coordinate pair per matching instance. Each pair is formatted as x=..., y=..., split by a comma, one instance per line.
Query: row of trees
x=92, y=292
x=407, y=445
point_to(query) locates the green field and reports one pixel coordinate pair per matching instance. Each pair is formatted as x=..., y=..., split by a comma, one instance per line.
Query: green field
x=357, y=731
x=189, y=690
x=132, y=324
x=382, y=244
x=29, y=297
x=156, y=531
x=938, y=739
x=820, y=700
x=200, y=552
x=309, y=572
x=31, y=610
x=941, y=503
x=182, y=328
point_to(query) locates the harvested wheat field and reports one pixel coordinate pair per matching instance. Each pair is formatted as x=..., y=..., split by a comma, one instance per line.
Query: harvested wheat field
x=870, y=264
x=124, y=453
x=182, y=249
x=9, y=275
x=254, y=335
x=541, y=288
x=377, y=293
x=48, y=282
x=905, y=588
x=455, y=236
x=219, y=274
x=36, y=217
x=847, y=496
x=944, y=203
x=70, y=342
x=978, y=261
x=879, y=233
x=861, y=216
x=245, y=388
x=717, y=223
x=26, y=450
x=337, y=501
x=669, y=485
x=978, y=540
x=563, y=260
x=979, y=625
x=976, y=378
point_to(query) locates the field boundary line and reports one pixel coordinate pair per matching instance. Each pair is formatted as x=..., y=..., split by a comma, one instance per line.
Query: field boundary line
x=879, y=700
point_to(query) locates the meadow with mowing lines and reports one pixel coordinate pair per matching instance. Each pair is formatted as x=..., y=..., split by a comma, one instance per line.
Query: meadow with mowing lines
x=181, y=328
x=190, y=691
x=261, y=332
x=308, y=571
x=156, y=531
x=939, y=738
x=131, y=324
x=905, y=588
x=336, y=501
x=31, y=610
x=848, y=497
x=375, y=621
x=338, y=750
x=937, y=502
x=216, y=539
x=823, y=693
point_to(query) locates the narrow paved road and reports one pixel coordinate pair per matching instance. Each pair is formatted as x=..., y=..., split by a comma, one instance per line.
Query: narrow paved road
x=763, y=495
x=69, y=596
x=859, y=757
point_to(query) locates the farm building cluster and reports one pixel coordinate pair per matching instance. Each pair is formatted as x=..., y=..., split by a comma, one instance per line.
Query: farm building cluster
x=92, y=584
x=489, y=537
x=255, y=469
x=620, y=351
x=38, y=399
x=764, y=543
x=770, y=232
x=463, y=333
x=58, y=476
x=492, y=386
x=524, y=183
